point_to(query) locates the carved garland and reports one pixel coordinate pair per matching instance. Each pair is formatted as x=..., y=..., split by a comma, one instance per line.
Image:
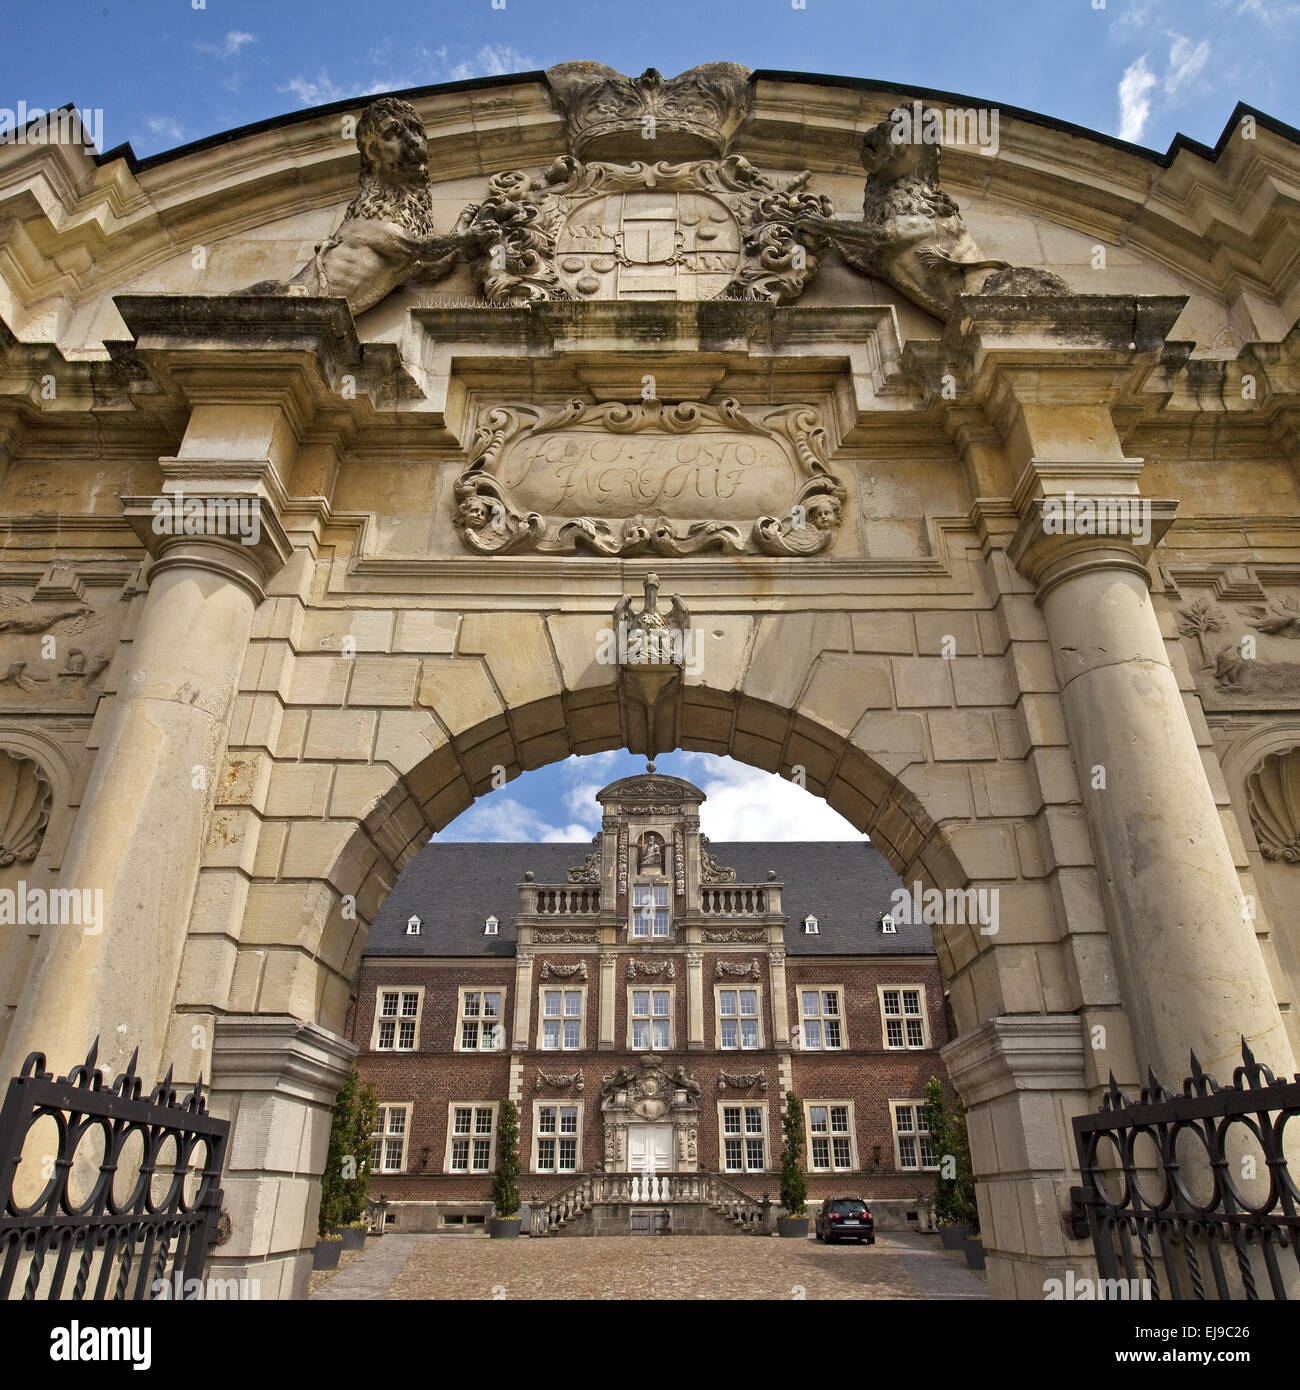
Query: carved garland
x=561, y=937
x=740, y=1080
x=490, y=523
x=652, y=968
x=749, y=934
x=679, y=866
x=736, y=970
x=564, y=972
x=559, y=1079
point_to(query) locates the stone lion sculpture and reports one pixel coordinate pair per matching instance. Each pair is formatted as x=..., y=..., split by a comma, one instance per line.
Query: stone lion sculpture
x=912, y=234
x=387, y=235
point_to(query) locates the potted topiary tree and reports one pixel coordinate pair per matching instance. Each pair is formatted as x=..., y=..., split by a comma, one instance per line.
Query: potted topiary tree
x=505, y=1183
x=955, y=1206
x=345, y=1182
x=794, y=1185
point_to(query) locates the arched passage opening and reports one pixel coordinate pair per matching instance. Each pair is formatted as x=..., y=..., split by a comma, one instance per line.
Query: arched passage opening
x=1017, y=1061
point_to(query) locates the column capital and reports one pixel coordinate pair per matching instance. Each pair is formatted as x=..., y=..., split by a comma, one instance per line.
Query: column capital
x=1017, y=1052
x=1060, y=537
x=276, y=1052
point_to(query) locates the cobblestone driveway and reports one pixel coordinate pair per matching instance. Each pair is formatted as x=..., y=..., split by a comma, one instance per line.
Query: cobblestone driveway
x=900, y=1265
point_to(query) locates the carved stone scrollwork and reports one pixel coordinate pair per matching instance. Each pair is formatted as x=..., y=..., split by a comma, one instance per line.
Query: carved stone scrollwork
x=563, y=937
x=736, y=970
x=580, y=231
x=1273, y=796
x=652, y=969
x=710, y=870
x=588, y=871
x=563, y=972
x=24, y=809
x=559, y=1080
x=747, y=934
x=557, y=503
x=741, y=1080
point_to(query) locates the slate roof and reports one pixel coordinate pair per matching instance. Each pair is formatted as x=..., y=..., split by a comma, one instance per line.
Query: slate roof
x=453, y=887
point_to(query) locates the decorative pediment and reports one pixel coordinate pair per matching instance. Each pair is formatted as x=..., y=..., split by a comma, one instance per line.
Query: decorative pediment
x=649, y=478
x=648, y=1091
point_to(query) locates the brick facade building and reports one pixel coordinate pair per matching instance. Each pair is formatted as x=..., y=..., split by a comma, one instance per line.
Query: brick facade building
x=647, y=1008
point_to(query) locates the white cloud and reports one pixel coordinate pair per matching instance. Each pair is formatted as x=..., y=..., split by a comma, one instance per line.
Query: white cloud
x=165, y=128
x=229, y=47
x=492, y=60
x=1186, y=59
x=1135, y=98
x=503, y=819
x=745, y=803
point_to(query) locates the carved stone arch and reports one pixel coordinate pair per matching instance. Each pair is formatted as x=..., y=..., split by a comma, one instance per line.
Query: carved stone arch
x=1273, y=801
x=1245, y=757
x=26, y=800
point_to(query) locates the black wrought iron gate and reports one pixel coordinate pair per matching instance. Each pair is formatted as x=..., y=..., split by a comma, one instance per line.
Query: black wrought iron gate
x=120, y=1192
x=1189, y=1196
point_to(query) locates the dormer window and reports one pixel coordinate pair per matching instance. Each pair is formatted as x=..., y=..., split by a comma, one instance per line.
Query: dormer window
x=490, y=927
x=888, y=925
x=810, y=927
x=412, y=926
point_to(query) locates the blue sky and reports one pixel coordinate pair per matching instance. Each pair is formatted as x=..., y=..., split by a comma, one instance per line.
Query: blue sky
x=164, y=72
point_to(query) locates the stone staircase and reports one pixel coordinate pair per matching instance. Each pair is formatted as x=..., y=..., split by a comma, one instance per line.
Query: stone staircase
x=694, y=1204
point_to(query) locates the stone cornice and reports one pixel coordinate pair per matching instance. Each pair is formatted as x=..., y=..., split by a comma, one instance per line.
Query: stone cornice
x=1047, y=558
x=1020, y=1052
x=276, y=1052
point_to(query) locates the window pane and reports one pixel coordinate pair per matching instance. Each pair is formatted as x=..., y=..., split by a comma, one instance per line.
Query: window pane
x=753, y=1119
x=386, y=1034
x=840, y=1118
x=907, y=1153
x=491, y=1037
x=406, y=1034
x=891, y=1002
x=661, y=1034
x=817, y=1118
x=821, y=1153
x=749, y=1001
x=469, y=1036
x=731, y=1119
x=810, y=1002
x=753, y=1153
x=731, y=1147
x=546, y=1119
x=843, y=1158
x=482, y=1153
x=492, y=1005
x=393, y=1155
x=461, y=1125
x=727, y=1001
x=551, y=1002
x=812, y=1034
x=832, y=1032
x=894, y=1032
x=569, y=1120
x=573, y=1003
x=928, y=1160
x=546, y=1153
x=912, y=1001
x=661, y=895
x=471, y=1003
x=729, y=1035
x=830, y=1002
x=640, y=1033
x=641, y=1002
x=483, y=1121
x=661, y=1003
x=904, y=1118
x=377, y=1156
x=568, y=1155
x=749, y=1032
x=389, y=1009
x=641, y=896
x=550, y=1035
x=661, y=923
x=915, y=1033
x=572, y=1031
x=410, y=1005
x=460, y=1154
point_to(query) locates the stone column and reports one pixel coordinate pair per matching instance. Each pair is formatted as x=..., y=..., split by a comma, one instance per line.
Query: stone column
x=608, y=988
x=276, y=1078
x=780, y=1001
x=695, y=999
x=523, y=999
x=1195, y=978
x=139, y=833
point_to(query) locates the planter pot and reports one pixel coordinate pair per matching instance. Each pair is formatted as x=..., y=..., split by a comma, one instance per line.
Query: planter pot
x=953, y=1237
x=796, y=1226
x=974, y=1252
x=503, y=1227
x=326, y=1254
x=354, y=1237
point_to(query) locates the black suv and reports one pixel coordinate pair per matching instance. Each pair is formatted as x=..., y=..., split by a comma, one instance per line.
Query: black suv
x=845, y=1218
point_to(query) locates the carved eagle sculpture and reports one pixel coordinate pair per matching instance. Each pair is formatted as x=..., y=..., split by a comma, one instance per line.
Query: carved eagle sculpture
x=651, y=620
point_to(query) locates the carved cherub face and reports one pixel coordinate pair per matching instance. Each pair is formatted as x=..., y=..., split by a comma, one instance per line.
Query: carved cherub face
x=391, y=139
x=473, y=514
x=824, y=513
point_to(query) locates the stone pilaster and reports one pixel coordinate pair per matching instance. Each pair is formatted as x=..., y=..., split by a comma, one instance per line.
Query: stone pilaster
x=695, y=999
x=523, y=998
x=275, y=1078
x=608, y=985
x=780, y=1001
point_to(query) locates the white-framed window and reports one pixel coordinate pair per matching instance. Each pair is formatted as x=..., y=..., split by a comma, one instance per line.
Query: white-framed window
x=651, y=915
x=561, y=1018
x=832, y=1136
x=650, y=1019
x=912, y=1146
x=739, y=1013
x=478, y=1020
x=557, y=1137
x=888, y=926
x=388, y=1151
x=412, y=926
x=811, y=926
x=742, y=1137
x=902, y=1012
x=397, y=1019
x=471, y=1137
x=492, y=926
x=821, y=1019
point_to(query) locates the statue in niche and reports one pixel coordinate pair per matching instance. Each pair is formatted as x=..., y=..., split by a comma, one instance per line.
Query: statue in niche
x=650, y=853
x=912, y=234
x=387, y=235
